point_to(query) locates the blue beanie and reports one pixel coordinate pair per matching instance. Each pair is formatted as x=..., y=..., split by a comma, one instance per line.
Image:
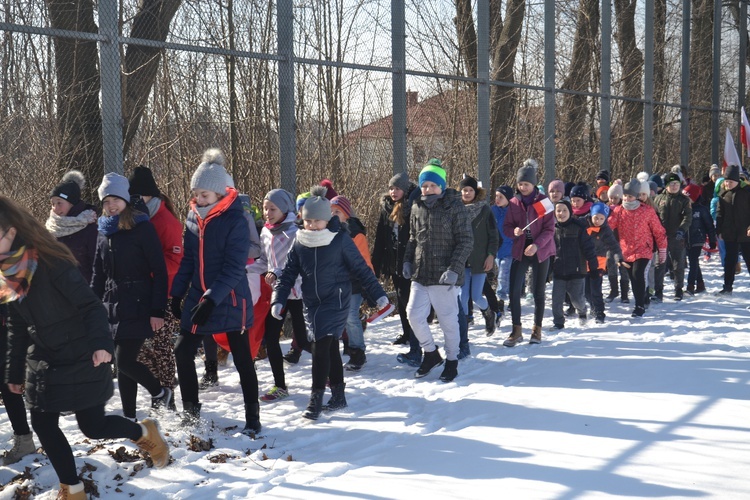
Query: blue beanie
x=600, y=208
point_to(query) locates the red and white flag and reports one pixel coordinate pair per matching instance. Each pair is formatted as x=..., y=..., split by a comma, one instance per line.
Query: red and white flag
x=745, y=132
x=543, y=207
x=730, y=152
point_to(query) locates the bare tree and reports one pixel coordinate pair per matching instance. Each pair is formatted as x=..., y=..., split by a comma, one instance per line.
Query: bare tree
x=628, y=129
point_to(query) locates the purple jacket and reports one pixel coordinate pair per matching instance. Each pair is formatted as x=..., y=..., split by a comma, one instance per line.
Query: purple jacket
x=542, y=232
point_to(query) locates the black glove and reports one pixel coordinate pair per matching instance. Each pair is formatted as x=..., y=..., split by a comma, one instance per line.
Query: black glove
x=202, y=311
x=176, y=306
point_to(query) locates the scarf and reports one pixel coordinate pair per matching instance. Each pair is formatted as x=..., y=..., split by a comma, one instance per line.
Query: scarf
x=431, y=199
x=204, y=211
x=16, y=270
x=474, y=209
x=314, y=239
x=583, y=210
x=282, y=226
x=110, y=224
x=62, y=225
x=153, y=205
x=631, y=205
x=528, y=200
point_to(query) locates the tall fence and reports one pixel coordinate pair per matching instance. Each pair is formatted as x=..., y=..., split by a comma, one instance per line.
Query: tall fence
x=350, y=90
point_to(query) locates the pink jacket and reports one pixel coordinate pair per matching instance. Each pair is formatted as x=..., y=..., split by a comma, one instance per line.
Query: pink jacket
x=542, y=232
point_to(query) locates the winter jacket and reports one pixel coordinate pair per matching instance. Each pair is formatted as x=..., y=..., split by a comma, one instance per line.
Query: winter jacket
x=358, y=234
x=604, y=241
x=216, y=250
x=130, y=276
x=637, y=230
x=52, y=336
x=542, y=233
x=275, y=245
x=3, y=340
x=674, y=212
x=440, y=239
x=506, y=243
x=326, y=260
x=250, y=213
x=486, y=239
x=169, y=229
x=391, y=238
x=702, y=227
x=82, y=244
x=574, y=250
x=733, y=214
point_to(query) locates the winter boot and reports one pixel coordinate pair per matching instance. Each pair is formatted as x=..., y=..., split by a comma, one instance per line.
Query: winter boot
x=191, y=414
x=338, y=398
x=678, y=294
x=536, y=335
x=292, y=357
x=252, y=420
x=500, y=312
x=614, y=291
x=221, y=356
x=638, y=312
x=402, y=339
x=600, y=317
x=23, y=444
x=411, y=358
x=430, y=361
x=514, y=338
x=161, y=402
x=489, y=321
x=625, y=285
x=71, y=492
x=153, y=443
x=210, y=376
x=700, y=286
x=315, y=405
x=450, y=371
x=357, y=359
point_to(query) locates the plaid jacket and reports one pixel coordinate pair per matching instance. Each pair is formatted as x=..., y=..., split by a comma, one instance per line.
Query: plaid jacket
x=440, y=238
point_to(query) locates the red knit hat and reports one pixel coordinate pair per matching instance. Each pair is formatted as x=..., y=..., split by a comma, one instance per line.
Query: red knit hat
x=331, y=193
x=343, y=203
x=693, y=191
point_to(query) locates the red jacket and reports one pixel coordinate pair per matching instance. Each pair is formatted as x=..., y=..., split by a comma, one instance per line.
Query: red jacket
x=169, y=229
x=637, y=230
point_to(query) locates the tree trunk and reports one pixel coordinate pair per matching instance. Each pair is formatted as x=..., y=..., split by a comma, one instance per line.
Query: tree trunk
x=467, y=35
x=662, y=153
x=701, y=63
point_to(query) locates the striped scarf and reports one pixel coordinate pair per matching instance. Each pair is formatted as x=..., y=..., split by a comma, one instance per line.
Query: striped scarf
x=16, y=270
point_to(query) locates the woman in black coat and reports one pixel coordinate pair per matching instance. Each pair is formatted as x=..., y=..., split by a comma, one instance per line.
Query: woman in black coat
x=130, y=276
x=59, y=344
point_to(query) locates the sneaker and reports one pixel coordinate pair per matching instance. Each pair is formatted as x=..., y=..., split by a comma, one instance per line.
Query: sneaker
x=678, y=294
x=161, y=402
x=402, y=339
x=410, y=358
x=657, y=298
x=275, y=394
x=638, y=312
x=571, y=311
x=624, y=300
x=430, y=361
x=556, y=326
x=599, y=318
x=724, y=292
x=463, y=353
x=292, y=357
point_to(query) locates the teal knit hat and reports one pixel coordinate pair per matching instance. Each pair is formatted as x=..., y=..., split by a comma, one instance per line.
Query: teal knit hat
x=433, y=172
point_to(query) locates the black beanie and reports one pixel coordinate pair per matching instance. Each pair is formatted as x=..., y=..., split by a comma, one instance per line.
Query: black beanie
x=603, y=175
x=142, y=182
x=469, y=181
x=580, y=190
x=70, y=187
x=732, y=173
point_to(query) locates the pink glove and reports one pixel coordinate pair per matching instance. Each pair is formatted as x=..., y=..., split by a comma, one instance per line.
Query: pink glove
x=662, y=255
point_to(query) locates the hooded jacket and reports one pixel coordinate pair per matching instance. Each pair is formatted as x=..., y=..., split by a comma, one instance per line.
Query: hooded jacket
x=637, y=230
x=390, y=238
x=574, y=250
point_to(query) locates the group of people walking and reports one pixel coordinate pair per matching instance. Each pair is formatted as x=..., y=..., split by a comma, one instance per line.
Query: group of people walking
x=167, y=290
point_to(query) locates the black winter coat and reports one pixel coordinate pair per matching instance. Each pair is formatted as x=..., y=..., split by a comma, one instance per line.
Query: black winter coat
x=389, y=247
x=575, y=252
x=733, y=214
x=130, y=276
x=82, y=243
x=702, y=226
x=63, y=322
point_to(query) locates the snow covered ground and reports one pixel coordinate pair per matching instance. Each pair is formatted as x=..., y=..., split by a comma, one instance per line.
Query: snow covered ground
x=654, y=408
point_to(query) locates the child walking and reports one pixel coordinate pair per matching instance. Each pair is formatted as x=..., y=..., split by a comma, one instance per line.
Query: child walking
x=326, y=258
x=701, y=227
x=605, y=245
x=54, y=313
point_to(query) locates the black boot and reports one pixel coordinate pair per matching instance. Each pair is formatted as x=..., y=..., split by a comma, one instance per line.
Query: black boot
x=614, y=291
x=191, y=414
x=430, y=361
x=315, y=405
x=211, y=376
x=402, y=339
x=489, y=321
x=357, y=359
x=338, y=398
x=450, y=371
x=252, y=420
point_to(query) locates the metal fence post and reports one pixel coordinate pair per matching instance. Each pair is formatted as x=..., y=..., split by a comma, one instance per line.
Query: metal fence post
x=605, y=125
x=715, y=96
x=685, y=92
x=287, y=125
x=648, y=89
x=398, y=61
x=111, y=109
x=549, y=91
x=483, y=92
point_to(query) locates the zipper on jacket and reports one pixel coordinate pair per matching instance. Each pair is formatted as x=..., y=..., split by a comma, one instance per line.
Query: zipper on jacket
x=341, y=305
x=244, y=315
x=234, y=298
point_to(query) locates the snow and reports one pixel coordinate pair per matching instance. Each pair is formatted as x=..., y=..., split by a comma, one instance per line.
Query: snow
x=656, y=407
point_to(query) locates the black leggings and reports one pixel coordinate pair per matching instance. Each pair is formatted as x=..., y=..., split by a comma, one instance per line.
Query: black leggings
x=326, y=363
x=16, y=410
x=92, y=422
x=131, y=372
x=272, y=333
x=637, y=273
x=185, y=350
x=539, y=272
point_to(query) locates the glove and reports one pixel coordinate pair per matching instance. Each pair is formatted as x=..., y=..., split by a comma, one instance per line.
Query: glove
x=176, y=306
x=382, y=302
x=276, y=311
x=406, y=271
x=448, y=278
x=679, y=235
x=202, y=311
x=662, y=255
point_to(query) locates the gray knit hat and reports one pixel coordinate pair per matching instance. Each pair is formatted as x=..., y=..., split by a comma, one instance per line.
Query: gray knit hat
x=211, y=174
x=401, y=181
x=632, y=187
x=115, y=185
x=317, y=205
x=615, y=190
x=528, y=172
x=714, y=170
x=282, y=198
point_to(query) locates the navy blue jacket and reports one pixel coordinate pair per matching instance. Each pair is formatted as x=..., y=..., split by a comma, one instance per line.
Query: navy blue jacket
x=327, y=260
x=702, y=226
x=575, y=253
x=213, y=266
x=82, y=243
x=130, y=276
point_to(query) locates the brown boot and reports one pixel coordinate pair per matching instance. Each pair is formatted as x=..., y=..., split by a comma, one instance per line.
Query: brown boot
x=65, y=493
x=514, y=338
x=153, y=443
x=536, y=335
x=738, y=268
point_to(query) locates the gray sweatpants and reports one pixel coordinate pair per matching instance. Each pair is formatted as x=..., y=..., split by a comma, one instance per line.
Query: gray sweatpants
x=575, y=288
x=442, y=298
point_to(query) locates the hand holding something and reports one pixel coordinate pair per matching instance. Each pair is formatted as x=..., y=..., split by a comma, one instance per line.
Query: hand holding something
x=101, y=356
x=517, y=231
x=270, y=278
x=382, y=302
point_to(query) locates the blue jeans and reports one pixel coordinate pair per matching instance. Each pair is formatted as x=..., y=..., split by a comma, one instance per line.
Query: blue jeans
x=354, y=324
x=463, y=328
x=473, y=286
x=503, y=277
